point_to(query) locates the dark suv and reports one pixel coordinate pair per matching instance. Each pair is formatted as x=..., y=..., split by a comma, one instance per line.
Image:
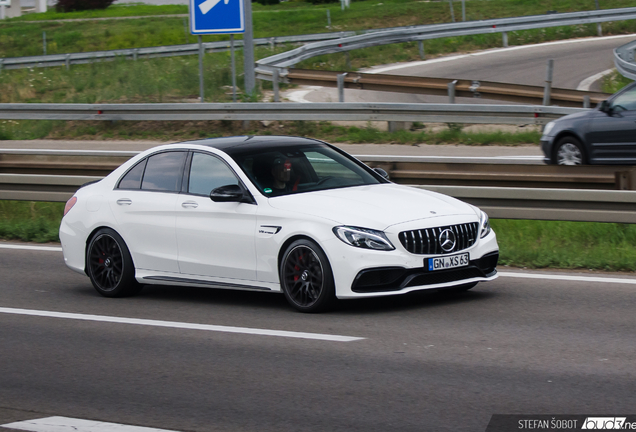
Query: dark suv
x=604, y=135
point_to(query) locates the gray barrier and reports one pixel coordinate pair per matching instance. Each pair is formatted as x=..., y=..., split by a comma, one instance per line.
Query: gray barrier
x=427, y=113
x=504, y=203
x=282, y=61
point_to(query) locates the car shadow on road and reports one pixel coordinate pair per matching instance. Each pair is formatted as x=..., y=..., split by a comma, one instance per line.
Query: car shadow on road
x=419, y=300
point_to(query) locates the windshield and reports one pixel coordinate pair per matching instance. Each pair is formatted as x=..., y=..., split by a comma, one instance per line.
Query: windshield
x=295, y=169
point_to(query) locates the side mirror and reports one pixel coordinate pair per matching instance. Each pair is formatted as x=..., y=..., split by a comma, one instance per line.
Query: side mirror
x=230, y=193
x=605, y=107
x=382, y=172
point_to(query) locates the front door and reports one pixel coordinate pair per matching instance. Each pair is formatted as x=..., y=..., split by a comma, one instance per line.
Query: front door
x=612, y=135
x=215, y=239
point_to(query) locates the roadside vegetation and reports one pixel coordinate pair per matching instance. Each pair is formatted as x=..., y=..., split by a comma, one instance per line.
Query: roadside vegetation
x=523, y=243
x=176, y=79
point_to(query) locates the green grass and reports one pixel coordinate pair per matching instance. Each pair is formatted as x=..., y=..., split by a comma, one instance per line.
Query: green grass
x=523, y=243
x=567, y=245
x=30, y=221
x=22, y=36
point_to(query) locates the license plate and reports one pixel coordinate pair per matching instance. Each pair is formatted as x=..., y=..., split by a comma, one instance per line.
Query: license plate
x=447, y=262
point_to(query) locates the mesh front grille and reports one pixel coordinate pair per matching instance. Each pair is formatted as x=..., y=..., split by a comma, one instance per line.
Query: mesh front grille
x=426, y=241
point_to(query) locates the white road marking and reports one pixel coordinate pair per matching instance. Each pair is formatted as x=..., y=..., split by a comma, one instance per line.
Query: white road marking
x=519, y=274
x=180, y=325
x=67, y=424
x=568, y=277
x=493, y=51
x=31, y=247
x=587, y=82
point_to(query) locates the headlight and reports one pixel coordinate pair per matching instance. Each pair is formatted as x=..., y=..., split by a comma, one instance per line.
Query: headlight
x=484, y=225
x=363, y=238
x=548, y=128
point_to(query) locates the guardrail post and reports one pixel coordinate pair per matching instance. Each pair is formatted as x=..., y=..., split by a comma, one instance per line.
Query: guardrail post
x=200, y=68
x=44, y=42
x=547, y=92
x=275, y=83
x=420, y=45
x=463, y=10
x=451, y=91
x=450, y=2
x=599, y=29
x=135, y=54
x=504, y=36
x=328, y=19
x=1, y=64
x=348, y=59
x=340, y=79
x=586, y=101
x=67, y=61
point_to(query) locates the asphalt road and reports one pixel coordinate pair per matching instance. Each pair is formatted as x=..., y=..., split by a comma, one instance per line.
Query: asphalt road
x=574, y=61
x=427, y=362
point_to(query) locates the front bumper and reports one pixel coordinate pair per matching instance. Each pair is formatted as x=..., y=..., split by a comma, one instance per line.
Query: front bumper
x=397, y=278
x=546, y=147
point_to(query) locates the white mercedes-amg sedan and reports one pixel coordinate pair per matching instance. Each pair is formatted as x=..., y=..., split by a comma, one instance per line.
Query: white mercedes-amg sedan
x=271, y=213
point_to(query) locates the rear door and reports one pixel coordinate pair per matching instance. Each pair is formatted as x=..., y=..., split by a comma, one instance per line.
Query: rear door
x=144, y=204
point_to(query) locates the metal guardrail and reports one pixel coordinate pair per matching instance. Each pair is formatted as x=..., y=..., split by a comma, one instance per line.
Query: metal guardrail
x=504, y=203
x=280, y=62
x=427, y=113
x=152, y=52
x=624, y=60
x=403, y=170
x=439, y=86
x=547, y=204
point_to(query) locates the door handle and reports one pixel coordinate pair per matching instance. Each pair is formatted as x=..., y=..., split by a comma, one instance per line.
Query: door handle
x=190, y=204
x=124, y=201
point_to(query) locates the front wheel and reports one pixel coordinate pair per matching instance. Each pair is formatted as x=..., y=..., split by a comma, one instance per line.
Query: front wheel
x=110, y=266
x=306, y=277
x=569, y=151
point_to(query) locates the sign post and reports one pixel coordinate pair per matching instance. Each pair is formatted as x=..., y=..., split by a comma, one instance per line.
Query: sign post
x=3, y=4
x=218, y=17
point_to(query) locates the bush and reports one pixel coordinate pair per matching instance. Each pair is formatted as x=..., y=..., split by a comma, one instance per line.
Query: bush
x=79, y=5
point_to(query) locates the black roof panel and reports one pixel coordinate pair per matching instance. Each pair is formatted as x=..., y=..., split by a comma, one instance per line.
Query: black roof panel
x=237, y=144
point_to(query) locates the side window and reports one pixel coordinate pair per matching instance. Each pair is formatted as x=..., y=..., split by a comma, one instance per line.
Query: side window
x=208, y=172
x=132, y=179
x=164, y=172
x=626, y=101
x=327, y=167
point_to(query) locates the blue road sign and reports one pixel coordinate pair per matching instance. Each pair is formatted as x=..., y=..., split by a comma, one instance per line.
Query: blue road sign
x=216, y=16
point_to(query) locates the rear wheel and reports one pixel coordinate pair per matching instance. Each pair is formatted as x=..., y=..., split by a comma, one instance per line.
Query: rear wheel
x=569, y=151
x=306, y=277
x=110, y=266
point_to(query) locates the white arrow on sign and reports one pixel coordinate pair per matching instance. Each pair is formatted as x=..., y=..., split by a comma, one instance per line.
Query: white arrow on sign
x=209, y=4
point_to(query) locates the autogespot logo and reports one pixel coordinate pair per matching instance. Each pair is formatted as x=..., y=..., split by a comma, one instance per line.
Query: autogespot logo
x=447, y=240
x=605, y=423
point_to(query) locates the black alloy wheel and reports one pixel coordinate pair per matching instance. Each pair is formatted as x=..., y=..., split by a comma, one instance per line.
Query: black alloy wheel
x=109, y=265
x=306, y=277
x=569, y=151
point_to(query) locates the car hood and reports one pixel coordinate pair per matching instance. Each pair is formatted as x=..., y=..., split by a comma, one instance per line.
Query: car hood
x=373, y=206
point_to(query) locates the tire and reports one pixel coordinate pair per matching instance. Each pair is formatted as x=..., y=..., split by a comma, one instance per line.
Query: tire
x=109, y=265
x=569, y=151
x=306, y=277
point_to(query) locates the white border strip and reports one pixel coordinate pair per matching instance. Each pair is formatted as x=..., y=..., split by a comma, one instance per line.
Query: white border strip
x=31, y=247
x=67, y=424
x=180, y=325
x=568, y=278
x=492, y=51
